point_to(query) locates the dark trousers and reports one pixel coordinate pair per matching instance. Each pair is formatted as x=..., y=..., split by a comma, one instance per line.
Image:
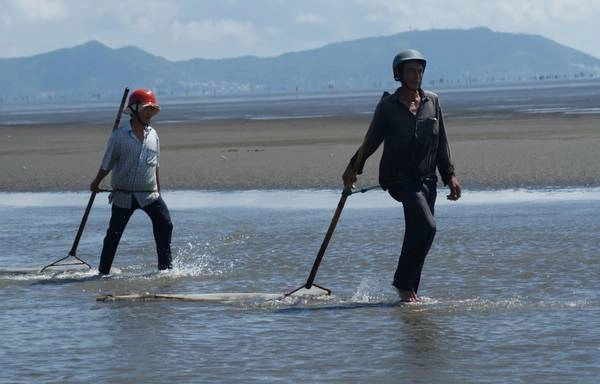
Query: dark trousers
x=161, y=225
x=418, y=200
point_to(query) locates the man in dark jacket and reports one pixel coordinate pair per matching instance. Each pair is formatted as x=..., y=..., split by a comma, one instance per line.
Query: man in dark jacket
x=409, y=122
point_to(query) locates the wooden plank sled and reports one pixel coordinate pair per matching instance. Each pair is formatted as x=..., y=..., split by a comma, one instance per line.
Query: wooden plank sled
x=220, y=297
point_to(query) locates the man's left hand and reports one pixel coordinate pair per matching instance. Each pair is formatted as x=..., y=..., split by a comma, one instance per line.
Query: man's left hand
x=455, y=189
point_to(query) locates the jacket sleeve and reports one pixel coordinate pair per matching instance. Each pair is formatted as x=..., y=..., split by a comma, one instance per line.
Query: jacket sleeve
x=444, y=155
x=372, y=140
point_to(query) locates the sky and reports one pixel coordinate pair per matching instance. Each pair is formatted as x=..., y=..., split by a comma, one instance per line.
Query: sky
x=185, y=29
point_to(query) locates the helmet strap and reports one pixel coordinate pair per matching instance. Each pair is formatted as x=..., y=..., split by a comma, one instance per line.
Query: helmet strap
x=136, y=114
x=398, y=73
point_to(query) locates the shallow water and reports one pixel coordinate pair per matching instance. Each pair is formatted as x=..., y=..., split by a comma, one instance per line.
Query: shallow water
x=511, y=292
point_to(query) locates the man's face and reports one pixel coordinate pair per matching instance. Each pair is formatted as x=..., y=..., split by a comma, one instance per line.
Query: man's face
x=147, y=113
x=412, y=75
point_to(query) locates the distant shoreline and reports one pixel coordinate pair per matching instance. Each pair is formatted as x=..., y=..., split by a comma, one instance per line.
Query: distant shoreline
x=497, y=101
x=311, y=153
x=111, y=99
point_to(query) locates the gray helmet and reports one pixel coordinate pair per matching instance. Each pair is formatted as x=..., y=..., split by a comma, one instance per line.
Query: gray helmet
x=403, y=57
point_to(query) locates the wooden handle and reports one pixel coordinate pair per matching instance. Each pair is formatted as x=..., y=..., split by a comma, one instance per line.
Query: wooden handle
x=325, y=243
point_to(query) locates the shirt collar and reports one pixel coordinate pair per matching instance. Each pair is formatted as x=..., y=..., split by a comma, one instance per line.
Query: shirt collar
x=130, y=133
x=421, y=93
x=128, y=128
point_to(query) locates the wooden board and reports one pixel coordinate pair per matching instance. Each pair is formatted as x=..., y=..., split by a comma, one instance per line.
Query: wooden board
x=220, y=297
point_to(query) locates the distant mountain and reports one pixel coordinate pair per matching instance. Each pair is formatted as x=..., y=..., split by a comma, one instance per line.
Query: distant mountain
x=477, y=55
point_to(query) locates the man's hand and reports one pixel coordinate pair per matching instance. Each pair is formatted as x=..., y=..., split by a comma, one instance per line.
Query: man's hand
x=455, y=189
x=349, y=177
x=95, y=186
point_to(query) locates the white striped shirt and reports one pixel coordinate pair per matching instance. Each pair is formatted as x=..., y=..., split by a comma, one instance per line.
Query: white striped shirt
x=133, y=165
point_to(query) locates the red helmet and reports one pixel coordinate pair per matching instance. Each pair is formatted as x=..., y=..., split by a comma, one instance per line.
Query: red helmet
x=141, y=98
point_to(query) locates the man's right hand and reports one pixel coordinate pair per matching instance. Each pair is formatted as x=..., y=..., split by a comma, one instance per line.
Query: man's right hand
x=349, y=177
x=95, y=186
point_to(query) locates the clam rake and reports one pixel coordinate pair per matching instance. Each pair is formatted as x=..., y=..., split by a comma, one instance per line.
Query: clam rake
x=336, y=216
x=73, y=252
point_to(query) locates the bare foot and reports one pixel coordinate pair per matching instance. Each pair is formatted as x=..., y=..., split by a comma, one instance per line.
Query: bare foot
x=408, y=296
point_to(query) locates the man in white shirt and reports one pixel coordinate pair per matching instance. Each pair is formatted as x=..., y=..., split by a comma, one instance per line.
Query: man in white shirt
x=132, y=155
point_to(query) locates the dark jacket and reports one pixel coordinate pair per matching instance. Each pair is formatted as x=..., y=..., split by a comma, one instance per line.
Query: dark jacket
x=413, y=146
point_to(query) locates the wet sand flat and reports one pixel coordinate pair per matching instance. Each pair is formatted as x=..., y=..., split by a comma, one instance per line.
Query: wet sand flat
x=497, y=152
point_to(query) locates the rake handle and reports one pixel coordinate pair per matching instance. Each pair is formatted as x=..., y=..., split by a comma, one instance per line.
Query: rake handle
x=73, y=251
x=325, y=243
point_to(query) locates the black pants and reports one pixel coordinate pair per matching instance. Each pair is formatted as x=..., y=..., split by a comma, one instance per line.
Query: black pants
x=418, y=200
x=161, y=225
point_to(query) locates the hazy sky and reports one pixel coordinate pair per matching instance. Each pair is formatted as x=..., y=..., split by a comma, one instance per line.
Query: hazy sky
x=183, y=29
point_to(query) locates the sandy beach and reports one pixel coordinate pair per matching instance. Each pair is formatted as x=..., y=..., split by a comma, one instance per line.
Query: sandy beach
x=489, y=153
